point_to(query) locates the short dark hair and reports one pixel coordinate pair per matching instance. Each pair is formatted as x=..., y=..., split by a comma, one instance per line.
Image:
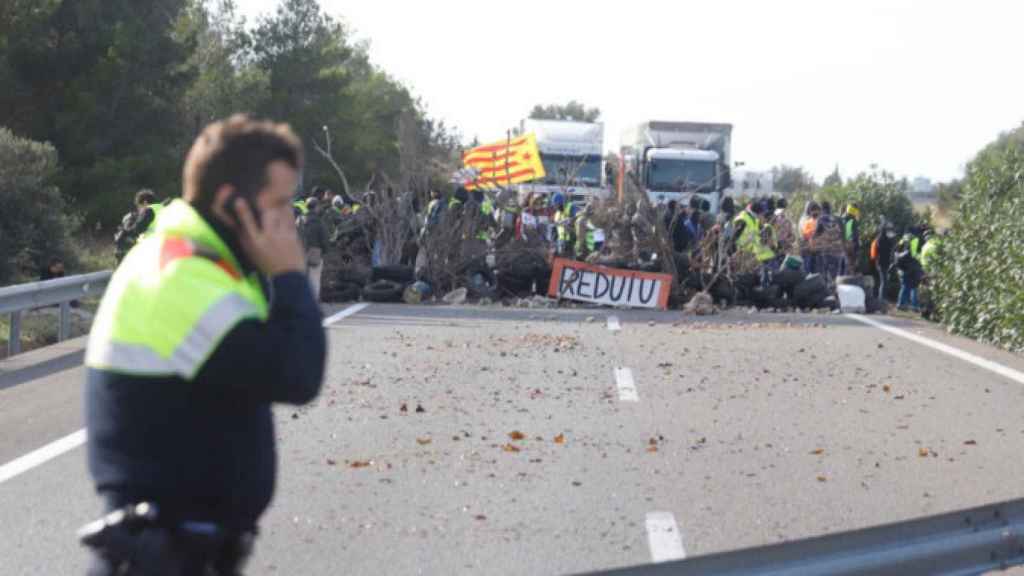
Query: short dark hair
x=695, y=202
x=237, y=151
x=728, y=205
x=705, y=205
x=144, y=196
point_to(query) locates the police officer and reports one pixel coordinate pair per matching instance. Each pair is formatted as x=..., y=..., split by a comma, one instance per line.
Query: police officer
x=188, y=352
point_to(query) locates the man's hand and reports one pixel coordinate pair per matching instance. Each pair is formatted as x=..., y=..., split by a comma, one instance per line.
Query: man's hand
x=273, y=247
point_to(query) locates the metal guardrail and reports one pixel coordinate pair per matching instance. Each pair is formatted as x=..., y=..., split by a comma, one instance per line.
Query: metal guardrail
x=974, y=541
x=16, y=299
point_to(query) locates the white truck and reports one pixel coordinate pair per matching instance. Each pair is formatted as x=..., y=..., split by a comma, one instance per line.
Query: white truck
x=675, y=160
x=572, y=154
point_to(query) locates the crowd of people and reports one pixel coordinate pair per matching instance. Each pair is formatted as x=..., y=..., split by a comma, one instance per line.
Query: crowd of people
x=756, y=238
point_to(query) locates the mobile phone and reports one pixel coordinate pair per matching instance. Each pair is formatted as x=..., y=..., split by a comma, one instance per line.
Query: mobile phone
x=230, y=207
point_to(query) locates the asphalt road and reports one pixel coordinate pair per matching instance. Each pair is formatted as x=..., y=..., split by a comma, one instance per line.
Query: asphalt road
x=497, y=441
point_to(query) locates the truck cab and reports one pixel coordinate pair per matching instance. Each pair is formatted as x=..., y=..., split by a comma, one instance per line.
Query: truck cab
x=572, y=154
x=677, y=160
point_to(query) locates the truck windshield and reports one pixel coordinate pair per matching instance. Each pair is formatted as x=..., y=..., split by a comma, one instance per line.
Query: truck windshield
x=671, y=175
x=560, y=169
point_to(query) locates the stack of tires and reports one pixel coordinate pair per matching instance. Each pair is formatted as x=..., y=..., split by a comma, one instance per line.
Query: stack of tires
x=811, y=292
x=388, y=283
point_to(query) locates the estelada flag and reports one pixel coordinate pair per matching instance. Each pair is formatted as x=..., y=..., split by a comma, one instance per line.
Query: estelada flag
x=502, y=163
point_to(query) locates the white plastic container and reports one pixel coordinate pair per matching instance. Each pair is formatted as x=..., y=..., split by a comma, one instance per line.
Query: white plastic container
x=851, y=299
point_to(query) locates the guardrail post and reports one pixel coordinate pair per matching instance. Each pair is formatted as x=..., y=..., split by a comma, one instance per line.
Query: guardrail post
x=64, y=330
x=14, y=341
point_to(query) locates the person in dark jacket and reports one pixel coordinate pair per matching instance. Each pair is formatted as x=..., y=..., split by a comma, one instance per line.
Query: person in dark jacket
x=678, y=233
x=911, y=274
x=206, y=323
x=883, y=250
x=315, y=239
x=671, y=212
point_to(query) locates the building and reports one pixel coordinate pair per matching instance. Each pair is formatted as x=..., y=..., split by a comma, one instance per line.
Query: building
x=752, y=183
x=922, y=186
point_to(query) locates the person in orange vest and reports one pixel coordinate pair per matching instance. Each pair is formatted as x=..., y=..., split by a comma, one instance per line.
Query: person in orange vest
x=808, y=226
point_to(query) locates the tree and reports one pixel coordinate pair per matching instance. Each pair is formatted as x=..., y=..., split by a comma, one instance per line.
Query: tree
x=573, y=110
x=33, y=222
x=790, y=179
x=100, y=80
x=833, y=179
x=978, y=283
x=949, y=195
x=122, y=87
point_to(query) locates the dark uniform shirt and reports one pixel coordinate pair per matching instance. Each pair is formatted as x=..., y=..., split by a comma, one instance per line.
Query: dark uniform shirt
x=203, y=450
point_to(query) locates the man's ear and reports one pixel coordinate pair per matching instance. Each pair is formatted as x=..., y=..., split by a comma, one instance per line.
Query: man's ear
x=220, y=208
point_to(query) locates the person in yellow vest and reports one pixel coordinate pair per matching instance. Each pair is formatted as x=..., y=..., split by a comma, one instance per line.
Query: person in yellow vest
x=589, y=238
x=747, y=237
x=300, y=207
x=485, y=224
x=563, y=223
x=188, y=352
x=930, y=252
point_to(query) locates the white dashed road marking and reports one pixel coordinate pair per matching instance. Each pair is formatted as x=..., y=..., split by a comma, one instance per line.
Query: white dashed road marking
x=663, y=537
x=35, y=458
x=353, y=309
x=627, y=387
x=38, y=457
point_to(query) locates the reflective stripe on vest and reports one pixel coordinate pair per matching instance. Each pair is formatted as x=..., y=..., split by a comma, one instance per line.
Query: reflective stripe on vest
x=172, y=300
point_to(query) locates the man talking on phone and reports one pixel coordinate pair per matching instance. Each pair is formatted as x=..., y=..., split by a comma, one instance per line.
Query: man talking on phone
x=206, y=323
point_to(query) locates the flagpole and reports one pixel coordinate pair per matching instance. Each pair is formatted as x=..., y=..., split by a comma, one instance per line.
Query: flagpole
x=508, y=148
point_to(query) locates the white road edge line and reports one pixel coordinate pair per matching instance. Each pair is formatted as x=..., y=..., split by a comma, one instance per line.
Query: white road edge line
x=23, y=464
x=353, y=309
x=627, y=387
x=613, y=324
x=29, y=461
x=663, y=537
x=1004, y=371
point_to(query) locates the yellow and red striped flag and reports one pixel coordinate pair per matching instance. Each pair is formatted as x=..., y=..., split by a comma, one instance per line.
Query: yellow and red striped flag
x=503, y=163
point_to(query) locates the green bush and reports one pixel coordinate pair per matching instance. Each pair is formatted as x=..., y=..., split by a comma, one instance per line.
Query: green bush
x=978, y=284
x=34, y=225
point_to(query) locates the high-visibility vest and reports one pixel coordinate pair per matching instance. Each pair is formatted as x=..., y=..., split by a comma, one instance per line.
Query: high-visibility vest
x=915, y=248
x=809, y=226
x=850, y=223
x=750, y=239
x=301, y=206
x=487, y=210
x=929, y=254
x=563, y=219
x=172, y=300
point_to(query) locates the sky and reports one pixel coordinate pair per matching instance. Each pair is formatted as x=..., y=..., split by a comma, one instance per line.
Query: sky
x=914, y=87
